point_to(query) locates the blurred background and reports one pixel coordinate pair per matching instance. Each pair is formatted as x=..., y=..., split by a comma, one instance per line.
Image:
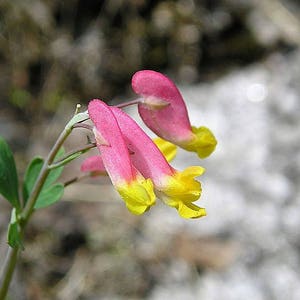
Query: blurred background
x=236, y=63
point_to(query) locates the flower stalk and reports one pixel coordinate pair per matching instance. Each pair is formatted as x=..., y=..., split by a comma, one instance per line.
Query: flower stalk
x=71, y=156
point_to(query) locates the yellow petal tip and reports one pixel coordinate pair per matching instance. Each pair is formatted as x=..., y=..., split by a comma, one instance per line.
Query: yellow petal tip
x=138, y=195
x=168, y=149
x=203, y=142
x=191, y=211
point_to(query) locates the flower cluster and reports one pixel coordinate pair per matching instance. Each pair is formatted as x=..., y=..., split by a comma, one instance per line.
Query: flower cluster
x=138, y=166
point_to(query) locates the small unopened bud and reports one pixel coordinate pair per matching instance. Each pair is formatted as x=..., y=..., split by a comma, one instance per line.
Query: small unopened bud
x=78, y=106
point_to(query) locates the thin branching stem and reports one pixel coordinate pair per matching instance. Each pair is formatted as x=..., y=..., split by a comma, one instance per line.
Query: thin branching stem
x=128, y=103
x=71, y=155
x=10, y=263
x=28, y=209
x=8, y=270
x=76, y=179
x=83, y=125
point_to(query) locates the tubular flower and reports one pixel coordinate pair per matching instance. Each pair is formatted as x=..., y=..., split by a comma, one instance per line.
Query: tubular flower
x=176, y=189
x=94, y=164
x=163, y=110
x=136, y=191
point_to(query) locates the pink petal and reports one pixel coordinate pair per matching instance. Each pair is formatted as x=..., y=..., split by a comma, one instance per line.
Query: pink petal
x=93, y=164
x=170, y=122
x=145, y=155
x=110, y=143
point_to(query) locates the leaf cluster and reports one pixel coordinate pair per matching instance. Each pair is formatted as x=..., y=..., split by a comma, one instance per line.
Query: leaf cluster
x=50, y=193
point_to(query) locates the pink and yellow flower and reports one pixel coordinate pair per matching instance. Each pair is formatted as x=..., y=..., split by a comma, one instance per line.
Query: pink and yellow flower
x=177, y=189
x=94, y=164
x=136, y=191
x=138, y=167
x=163, y=110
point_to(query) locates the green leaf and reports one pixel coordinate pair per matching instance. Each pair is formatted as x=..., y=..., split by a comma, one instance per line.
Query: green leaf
x=31, y=175
x=33, y=172
x=49, y=196
x=14, y=236
x=8, y=175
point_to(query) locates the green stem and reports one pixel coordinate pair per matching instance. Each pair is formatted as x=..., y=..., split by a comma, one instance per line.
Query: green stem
x=76, y=179
x=10, y=263
x=128, y=103
x=70, y=156
x=29, y=207
x=8, y=270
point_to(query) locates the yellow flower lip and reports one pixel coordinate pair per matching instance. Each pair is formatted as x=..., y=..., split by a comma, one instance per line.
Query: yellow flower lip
x=191, y=211
x=138, y=195
x=180, y=191
x=203, y=142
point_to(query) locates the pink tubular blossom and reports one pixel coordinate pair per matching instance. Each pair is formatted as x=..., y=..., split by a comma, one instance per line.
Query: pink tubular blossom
x=93, y=164
x=176, y=189
x=135, y=190
x=163, y=110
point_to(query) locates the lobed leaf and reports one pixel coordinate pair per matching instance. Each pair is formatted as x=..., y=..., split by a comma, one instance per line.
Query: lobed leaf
x=49, y=196
x=32, y=173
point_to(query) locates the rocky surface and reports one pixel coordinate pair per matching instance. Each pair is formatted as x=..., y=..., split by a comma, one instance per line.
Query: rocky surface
x=251, y=189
